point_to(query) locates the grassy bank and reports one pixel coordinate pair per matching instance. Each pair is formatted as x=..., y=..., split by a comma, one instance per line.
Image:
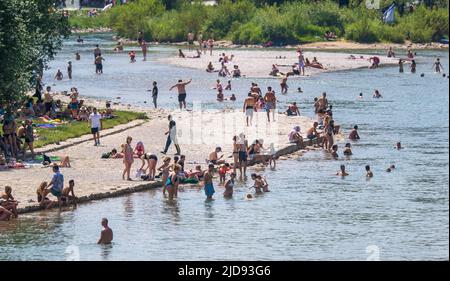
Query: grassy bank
x=247, y=22
x=78, y=129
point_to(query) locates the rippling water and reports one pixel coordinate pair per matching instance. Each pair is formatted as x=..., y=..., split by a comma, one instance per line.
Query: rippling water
x=310, y=214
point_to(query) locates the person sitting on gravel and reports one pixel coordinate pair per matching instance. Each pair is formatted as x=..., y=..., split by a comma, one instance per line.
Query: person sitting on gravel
x=42, y=198
x=5, y=215
x=210, y=67
x=236, y=73
x=293, y=110
x=68, y=194
x=8, y=201
x=295, y=136
x=312, y=132
x=214, y=157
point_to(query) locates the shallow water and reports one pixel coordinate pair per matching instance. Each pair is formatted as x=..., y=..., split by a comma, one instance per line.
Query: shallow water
x=309, y=215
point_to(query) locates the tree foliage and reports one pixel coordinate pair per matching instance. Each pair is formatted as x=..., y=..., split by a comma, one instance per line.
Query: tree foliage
x=31, y=32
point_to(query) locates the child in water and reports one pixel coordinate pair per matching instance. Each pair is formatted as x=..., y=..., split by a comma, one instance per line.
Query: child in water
x=369, y=173
x=132, y=55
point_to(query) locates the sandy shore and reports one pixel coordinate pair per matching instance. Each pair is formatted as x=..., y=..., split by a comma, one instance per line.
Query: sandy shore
x=198, y=134
x=258, y=64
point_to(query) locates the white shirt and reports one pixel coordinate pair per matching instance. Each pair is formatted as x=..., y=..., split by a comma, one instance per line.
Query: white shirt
x=95, y=120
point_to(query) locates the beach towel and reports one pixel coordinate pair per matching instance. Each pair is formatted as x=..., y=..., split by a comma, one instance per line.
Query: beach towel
x=46, y=126
x=40, y=158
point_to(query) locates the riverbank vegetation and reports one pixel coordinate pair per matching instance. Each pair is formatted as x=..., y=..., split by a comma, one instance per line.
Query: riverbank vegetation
x=280, y=22
x=77, y=129
x=30, y=34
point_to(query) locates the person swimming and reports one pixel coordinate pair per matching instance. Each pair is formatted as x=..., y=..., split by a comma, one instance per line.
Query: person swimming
x=334, y=150
x=354, y=135
x=348, y=149
x=369, y=173
x=342, y=172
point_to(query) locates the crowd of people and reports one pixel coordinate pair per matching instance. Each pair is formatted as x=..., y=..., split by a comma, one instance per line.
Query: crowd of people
x=171, y=171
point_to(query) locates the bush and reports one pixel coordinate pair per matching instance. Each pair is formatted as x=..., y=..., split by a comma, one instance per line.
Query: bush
x=291, y=22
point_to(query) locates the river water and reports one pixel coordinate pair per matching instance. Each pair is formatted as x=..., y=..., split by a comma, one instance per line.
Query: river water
x=311, y=214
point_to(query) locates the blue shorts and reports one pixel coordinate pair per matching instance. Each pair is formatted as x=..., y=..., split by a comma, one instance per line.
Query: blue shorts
x=94, y=130
x=56, y=193
x=209, y=189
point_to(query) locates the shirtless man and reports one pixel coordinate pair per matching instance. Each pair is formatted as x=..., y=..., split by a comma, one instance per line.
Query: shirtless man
x=322, y=102
x=312, y=132
x=354, y=134
x=249, y=108
x=283, y=85
x=342, y=172
x=68, y=194
x=271, y=103
x=97, y=52
x=214, y=157
x=106, y=235
x=181, y=86
x=59, y=75
x=208, y=179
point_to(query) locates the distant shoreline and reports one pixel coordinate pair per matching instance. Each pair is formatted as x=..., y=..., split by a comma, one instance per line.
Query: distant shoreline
x=324, y=45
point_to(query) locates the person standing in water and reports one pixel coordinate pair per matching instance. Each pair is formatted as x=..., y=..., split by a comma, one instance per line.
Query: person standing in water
x=144, y=50
x=369, y=173
x=301, y=62
x=181, y=86
x=97, y=52
x=271, y=103
x=400, y=65
x=413, y=66
x=208, y=179
x=59, y=75
x=69, y=70
x=155, y=94
x=106, y=236
x=249, y=108
x=229, y=186
x=99, y=64
x=438, y=66
x=190, y=39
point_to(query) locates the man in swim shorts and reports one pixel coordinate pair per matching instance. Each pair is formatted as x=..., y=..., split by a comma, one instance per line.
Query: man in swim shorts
x=106, y=236
x=181, y=86
x=271, y=102
x=56, y=185
x=249, y=108
x=208, y=179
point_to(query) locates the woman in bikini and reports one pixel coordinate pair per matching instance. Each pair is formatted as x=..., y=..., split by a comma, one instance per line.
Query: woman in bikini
x=165, y=169
x=9, y=135
x=74, y=105
x=172, y=182
x=152, y=160
x=128, y=158
x=229, y=185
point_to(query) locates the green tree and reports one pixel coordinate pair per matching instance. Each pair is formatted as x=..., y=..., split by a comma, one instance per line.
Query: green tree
x=31, y=31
